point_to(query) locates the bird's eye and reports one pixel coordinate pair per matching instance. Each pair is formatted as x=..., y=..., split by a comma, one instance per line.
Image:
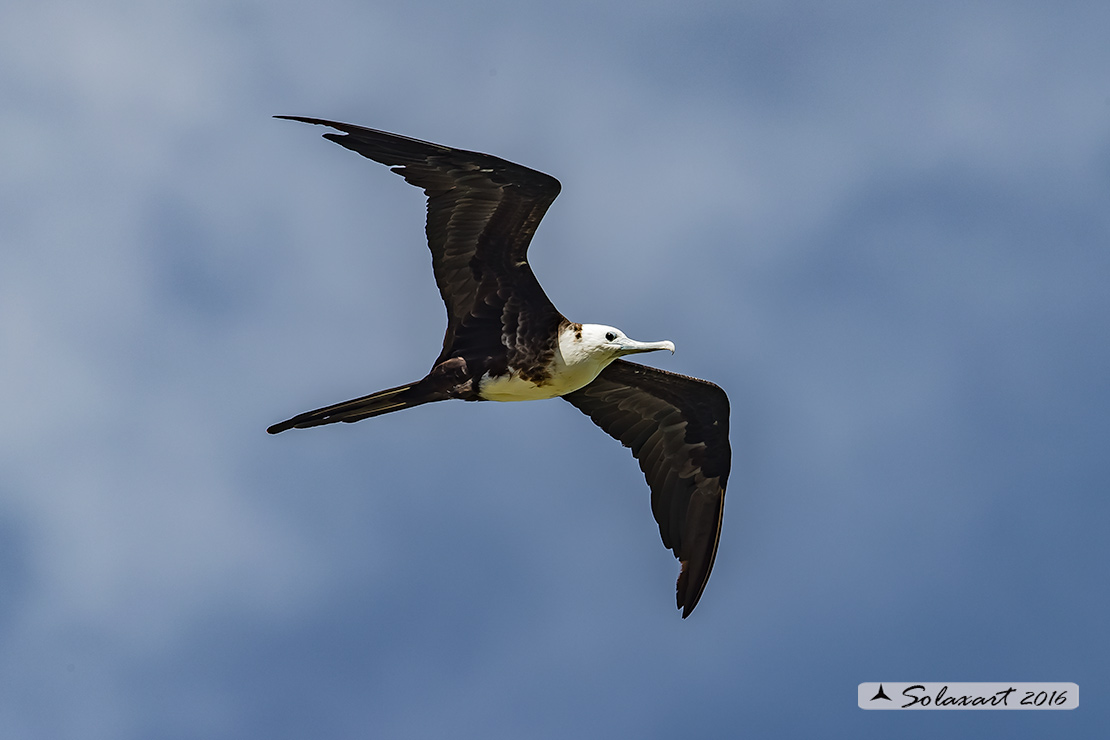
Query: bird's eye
x=610, y=336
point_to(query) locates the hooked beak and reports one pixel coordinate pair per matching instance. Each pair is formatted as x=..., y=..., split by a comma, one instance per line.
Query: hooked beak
x=631, y=346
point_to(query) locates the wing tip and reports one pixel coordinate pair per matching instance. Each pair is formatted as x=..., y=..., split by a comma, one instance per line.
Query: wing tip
x=304, y=119
x=686, y=597
x=700, y=547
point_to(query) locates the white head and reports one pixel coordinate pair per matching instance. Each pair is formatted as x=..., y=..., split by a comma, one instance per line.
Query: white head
x=585, y=350
x=607, y=343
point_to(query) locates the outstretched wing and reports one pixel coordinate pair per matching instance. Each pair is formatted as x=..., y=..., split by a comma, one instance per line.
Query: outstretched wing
x=677, y=427
x=482, y=213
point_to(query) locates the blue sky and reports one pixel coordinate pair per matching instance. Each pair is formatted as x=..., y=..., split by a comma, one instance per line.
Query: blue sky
x=883, y=229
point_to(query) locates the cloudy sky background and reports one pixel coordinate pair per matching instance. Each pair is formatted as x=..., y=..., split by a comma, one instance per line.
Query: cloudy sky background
x=882, y=228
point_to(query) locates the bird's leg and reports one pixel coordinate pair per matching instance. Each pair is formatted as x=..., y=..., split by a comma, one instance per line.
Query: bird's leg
x=452, y=379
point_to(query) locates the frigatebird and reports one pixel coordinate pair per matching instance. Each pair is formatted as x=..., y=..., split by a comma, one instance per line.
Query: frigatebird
x=506, y=341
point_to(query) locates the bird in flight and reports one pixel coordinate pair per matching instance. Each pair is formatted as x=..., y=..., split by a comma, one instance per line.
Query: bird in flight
x=506, y=341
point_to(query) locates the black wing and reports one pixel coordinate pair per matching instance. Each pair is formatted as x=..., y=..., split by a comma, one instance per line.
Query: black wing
x=677, y=427
x=482, y=213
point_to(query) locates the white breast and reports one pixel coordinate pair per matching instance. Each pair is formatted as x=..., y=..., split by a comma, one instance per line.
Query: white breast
x=571, y=368
x=512, y=388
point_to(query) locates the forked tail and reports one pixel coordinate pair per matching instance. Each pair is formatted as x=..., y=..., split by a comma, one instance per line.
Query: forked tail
x=376, y=404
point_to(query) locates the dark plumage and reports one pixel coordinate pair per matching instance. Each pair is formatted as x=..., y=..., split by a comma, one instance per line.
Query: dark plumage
x=677, y=427
x=505, y=340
